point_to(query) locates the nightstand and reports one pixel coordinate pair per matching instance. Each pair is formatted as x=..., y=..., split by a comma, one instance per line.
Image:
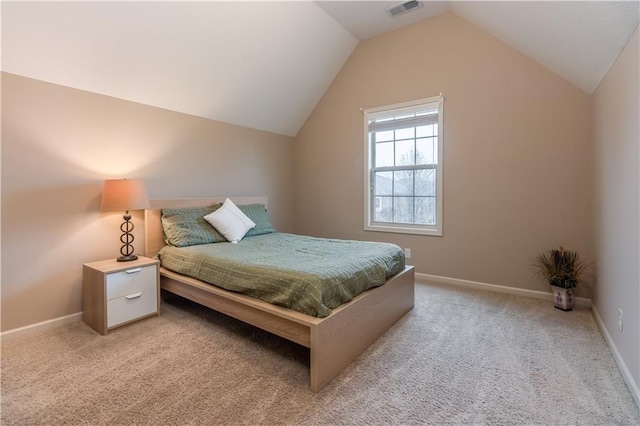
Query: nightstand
x=118, y=293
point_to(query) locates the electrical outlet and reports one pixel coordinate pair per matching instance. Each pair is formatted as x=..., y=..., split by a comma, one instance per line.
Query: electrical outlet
x=620, y=319
x=407, y=253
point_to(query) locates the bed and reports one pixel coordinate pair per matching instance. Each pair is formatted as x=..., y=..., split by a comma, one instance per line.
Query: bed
x=334, y=341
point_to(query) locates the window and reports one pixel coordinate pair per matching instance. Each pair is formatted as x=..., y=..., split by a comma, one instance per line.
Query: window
x=403, y=183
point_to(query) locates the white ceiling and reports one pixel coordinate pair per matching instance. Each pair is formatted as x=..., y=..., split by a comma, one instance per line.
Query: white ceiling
x=578, y=40
x=255, y=64
x=367, y=19
x=265, y=65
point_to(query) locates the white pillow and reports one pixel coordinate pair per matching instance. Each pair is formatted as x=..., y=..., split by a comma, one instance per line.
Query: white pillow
x=230, y=221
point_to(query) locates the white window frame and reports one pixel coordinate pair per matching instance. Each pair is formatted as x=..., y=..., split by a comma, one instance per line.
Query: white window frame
x=369, y=206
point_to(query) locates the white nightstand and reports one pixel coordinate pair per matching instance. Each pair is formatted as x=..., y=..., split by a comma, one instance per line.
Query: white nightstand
x=118, y=293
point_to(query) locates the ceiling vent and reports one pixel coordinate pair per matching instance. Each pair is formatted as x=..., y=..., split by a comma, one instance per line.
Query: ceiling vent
x=402, y=8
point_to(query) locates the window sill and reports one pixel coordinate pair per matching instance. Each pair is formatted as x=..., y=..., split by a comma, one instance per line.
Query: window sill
x=408, y=229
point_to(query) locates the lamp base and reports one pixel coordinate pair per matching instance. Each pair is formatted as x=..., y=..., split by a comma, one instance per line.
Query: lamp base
x=127, y=258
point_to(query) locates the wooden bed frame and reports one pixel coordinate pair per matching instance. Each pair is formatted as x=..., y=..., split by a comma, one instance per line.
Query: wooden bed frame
x=334, y=341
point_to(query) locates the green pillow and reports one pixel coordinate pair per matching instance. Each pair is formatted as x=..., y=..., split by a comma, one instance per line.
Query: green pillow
x=258, y=214
x=186, y=226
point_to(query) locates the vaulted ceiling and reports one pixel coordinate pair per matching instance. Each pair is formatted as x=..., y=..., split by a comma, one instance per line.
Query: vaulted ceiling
x=265, y=65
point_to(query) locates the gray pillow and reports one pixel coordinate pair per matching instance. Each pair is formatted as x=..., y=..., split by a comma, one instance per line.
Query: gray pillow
x=258, y=214
x=186, y=226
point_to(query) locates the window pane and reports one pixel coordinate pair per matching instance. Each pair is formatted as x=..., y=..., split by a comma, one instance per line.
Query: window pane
x=406, y=133
x=405, y=154
x=425, y=210
x=403, y=183
x=427, y=151
x=383, y=183
x=384, y=154
x=384, y=136
x=424, y=131
x=425, y=183
x=383, y=209
x=403, y=209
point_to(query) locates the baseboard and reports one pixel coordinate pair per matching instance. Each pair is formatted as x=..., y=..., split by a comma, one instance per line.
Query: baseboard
x=32, y=329
x=57, y=322
x=622, y=366
x=579, y=301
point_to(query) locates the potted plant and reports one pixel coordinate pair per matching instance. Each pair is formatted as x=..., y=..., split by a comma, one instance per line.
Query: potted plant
x=562, y=269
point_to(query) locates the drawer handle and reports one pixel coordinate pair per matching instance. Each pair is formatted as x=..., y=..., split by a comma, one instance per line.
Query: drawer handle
x=133, y=296
x=133, y=271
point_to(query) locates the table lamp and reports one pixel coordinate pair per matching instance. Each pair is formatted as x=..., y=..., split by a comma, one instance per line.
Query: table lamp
x=125, y=194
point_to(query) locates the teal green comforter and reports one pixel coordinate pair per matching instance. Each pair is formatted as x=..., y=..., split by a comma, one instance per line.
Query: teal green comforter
x=310, y=275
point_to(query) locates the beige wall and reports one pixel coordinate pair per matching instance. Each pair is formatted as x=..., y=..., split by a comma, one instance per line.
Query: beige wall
x=517, y=156
x=616, y=125
x=59, y=144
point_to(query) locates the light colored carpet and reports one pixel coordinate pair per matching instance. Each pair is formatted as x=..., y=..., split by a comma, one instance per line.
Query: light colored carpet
x=460, y=357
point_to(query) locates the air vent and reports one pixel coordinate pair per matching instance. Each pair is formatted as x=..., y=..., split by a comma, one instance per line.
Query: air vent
x=403, y=8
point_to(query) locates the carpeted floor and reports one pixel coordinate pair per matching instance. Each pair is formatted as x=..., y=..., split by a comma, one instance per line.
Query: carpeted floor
x=460, y=357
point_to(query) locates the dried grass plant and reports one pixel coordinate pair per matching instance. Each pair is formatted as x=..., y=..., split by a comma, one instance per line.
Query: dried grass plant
x=560, y=267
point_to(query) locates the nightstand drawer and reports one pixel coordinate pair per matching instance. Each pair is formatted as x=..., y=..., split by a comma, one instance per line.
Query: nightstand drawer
x=134, y=305
x=129, y=281
x=117, y=293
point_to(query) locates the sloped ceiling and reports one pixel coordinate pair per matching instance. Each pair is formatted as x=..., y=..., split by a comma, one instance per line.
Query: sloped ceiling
x=262, y=65
x=578, y=40
x=265, y=65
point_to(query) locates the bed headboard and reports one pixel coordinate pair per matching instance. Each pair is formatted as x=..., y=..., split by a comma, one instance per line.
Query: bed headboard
x=153, y=234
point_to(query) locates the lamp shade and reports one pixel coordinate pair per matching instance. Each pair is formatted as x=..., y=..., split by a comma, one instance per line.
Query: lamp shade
x=124, y=194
